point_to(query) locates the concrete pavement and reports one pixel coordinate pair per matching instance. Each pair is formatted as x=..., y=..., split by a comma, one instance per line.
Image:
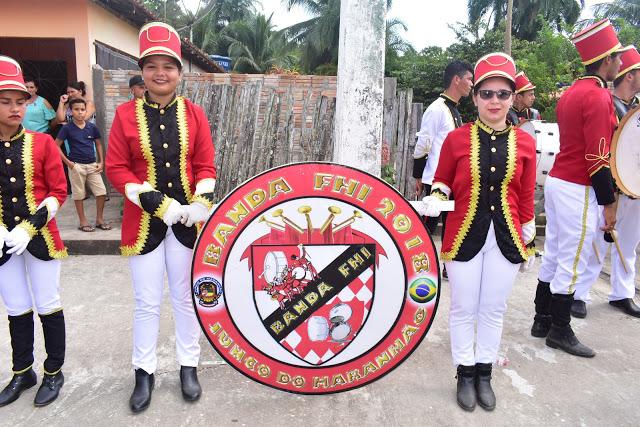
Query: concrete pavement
x=537, y=385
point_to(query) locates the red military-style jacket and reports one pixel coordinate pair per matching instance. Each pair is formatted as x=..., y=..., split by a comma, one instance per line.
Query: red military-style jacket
x=586, y=120
x=31, y=171
x=171, y=149
x=491, y=176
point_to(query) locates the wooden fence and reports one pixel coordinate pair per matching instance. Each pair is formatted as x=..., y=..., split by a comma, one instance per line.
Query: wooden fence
x=259, y=122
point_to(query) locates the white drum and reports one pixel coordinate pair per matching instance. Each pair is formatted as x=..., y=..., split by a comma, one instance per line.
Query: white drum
x=340, y=332
x=317, y=328
x=625, y=154
x=340, y=313
x=274, y=264
x=547, y=136
x=298, y=273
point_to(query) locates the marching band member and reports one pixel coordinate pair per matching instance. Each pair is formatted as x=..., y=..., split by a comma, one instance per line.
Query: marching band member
x=523, y=101
x=161, y=157
x=32, y=188
x=578, y=182
x=440, y=118
x=626, y=85
x=490, y=168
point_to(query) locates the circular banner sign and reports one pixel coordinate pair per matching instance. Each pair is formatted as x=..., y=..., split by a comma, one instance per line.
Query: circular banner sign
x=315, y=278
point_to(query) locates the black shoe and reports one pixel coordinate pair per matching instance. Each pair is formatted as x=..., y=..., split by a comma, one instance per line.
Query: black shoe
x=18, y=384
x=541, y=325
x=141, y=396
x=579, y=309
x=485, y=395
x=466, y=392
x=191, y=389
x=49, y=390
x=627, y=305
x=564, y=339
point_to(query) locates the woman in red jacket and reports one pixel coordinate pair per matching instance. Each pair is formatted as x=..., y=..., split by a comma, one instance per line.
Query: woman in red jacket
x=32, y=188
x=490, y=168
x=161, y=157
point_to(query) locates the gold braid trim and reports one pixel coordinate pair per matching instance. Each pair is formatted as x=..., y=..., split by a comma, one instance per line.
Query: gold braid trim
x=145, y=147
x=474, y=163
x=512, y=153
x=439, y=195
x=183, y=131
x=29, y=228
x=27, y=161
x=200, y=199
x=583, y=233
x=164, y=206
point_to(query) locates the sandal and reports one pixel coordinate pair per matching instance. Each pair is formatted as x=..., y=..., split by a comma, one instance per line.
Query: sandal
x=86, y=228
x=104, y=226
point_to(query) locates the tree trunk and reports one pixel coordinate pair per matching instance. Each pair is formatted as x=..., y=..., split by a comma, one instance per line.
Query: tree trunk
x=360, y=91
x=507, y=33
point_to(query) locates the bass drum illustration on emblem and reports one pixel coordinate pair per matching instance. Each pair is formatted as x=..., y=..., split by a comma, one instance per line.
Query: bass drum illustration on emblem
x=274, y=264
x=317, y=328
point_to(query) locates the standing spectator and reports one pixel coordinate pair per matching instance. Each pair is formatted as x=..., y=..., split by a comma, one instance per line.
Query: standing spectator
x=39, y=113
x=84, y=167
x=75, y=90
x=136, y=86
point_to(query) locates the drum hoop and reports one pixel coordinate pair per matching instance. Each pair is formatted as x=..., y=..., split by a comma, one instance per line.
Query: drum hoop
x=614, y=146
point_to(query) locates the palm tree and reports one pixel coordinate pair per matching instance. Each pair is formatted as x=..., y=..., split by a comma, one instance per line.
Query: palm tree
x=627, y=10
x=256, y=47
x=525, y=14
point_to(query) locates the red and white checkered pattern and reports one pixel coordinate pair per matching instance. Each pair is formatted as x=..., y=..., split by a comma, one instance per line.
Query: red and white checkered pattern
x=358, y=296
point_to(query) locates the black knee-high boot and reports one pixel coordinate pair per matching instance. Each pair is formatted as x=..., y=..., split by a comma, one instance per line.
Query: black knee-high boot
x=53, y=330
x=542, y=319
x=21, y=331
x=561, y=335
x=54, y=343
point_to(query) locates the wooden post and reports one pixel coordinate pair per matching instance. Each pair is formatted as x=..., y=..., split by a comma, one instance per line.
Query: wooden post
x=360, y=91
x=507, y=32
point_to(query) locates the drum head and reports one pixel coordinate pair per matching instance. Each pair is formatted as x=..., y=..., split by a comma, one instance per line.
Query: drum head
x=340, y=332
x=340, y=313
x=274, y=264
x=299, y=273
x=625, y=154
x=317, y=328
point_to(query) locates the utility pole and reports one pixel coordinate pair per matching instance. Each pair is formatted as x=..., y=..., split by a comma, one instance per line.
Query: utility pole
x=507, y=32
x=360, y=91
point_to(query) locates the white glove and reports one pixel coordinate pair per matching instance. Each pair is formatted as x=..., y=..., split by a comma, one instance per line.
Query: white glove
x=174, y=213
x=3, y=235
x=195, y=212
x=528, y=264
x=431, y=206
x=17, y=240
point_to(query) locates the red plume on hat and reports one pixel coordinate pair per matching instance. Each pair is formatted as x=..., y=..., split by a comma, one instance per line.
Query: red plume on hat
x=630, y=60
x=495, y=64
x=11, y=76
x=158, y=38
x=595, y=42
x=523, y=83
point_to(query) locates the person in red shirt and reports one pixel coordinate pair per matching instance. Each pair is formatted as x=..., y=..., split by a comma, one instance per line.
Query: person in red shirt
x=161, y=157
x=490, y=168
x=32, y=188
x=578, y=182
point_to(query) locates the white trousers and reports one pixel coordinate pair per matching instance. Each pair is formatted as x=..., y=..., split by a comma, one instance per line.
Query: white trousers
x=147, y=272
x=572, y=220
x=628, y=227
x=25, y=271
x=479, y=291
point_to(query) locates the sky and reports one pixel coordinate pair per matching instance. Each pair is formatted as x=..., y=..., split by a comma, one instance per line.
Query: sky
x=427, y=20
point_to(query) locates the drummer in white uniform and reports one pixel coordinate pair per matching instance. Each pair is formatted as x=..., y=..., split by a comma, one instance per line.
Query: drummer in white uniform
x=626, y=85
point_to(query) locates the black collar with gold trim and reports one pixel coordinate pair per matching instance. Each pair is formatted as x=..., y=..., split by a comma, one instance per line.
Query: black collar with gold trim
x=155, y=105
x=488, y=129
x=19, y=134
x=448, y=99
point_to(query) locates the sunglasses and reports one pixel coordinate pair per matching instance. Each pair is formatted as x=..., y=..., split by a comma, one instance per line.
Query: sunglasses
x=502, y=94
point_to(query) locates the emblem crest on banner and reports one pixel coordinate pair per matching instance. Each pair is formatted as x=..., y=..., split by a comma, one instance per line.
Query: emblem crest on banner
x=328, y=278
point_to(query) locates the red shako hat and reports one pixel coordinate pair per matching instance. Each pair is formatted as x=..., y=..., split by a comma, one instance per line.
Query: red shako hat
x=11, y=76
x=158, y=38
x=523, y=83
x=596, y=42
x=630, y=60
x=495, y=64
